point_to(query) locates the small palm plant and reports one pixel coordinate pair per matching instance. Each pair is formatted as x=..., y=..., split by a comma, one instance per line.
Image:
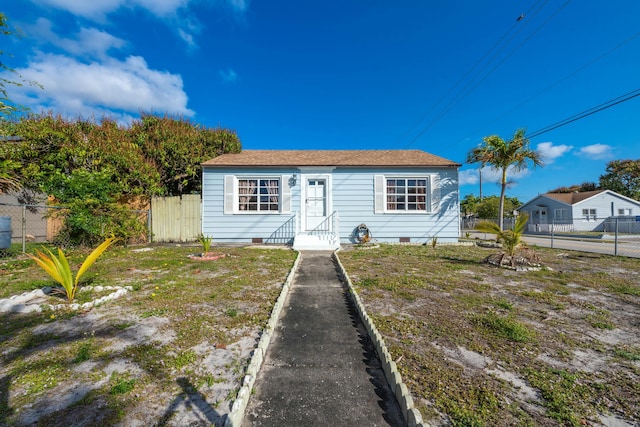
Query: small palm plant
x=510, y=239
x=205, y=241
x=58, y=266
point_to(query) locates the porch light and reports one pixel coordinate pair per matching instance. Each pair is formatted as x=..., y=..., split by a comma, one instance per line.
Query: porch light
x=293, y=180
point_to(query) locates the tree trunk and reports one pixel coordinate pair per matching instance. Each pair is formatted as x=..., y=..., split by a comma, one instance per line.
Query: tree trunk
x=503, y=187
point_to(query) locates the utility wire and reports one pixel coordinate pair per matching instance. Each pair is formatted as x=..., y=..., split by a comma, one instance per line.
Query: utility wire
x=468, y=89
x=568, y=76
x=464, y=76
x=608, y=104
x=519, y=46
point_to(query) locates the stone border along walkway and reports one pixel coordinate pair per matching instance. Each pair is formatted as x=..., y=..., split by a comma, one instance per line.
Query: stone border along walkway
x=412, y=416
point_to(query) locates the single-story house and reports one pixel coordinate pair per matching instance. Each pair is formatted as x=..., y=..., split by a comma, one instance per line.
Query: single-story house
x=578, y=211
x=318, y=199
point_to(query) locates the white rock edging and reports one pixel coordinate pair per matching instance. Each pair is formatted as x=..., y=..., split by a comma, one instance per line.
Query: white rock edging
x=235, y=417
x=411, y=415
x=19, y=303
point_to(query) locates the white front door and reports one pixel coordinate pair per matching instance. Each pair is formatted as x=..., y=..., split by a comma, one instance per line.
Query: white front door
x=543, y=216
x=315, y=203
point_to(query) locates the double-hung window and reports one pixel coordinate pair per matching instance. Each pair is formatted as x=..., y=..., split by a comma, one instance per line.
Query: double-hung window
x=258, y=195
x=624, y=212
x=588, y=214
x=561, y=214
x=406, y=194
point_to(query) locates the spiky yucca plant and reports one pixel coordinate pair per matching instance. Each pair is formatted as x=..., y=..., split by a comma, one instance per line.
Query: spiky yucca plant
x=510, y=239
x=206, y=242
x=58, y=266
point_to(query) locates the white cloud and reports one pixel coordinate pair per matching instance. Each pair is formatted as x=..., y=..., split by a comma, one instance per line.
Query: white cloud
x=228, y=75
x=91, y=9
x=596, y=151
x=175, y=13
x=468, y=177
x=98, y=9
x=489, y=176
x=75, y=88
x=551, y=152
x=238, y=5
x=90, y=42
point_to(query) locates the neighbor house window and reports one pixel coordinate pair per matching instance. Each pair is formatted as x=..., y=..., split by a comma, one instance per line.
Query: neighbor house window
x=561, y=214
x=624, y=212
x=589, y=214
x=406, y=194
x=258, y=195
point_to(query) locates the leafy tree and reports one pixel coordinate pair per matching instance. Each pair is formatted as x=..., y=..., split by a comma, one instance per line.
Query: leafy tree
x=489, y=207
x=178, y=147
x=468, y=204
x=8, y=176
x=502, y=155
x=94, y=169
x=577, y=188
x=623, y=177
x=8, y=107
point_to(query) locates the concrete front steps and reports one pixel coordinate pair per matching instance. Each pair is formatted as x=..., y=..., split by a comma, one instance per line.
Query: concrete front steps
x=316, y=242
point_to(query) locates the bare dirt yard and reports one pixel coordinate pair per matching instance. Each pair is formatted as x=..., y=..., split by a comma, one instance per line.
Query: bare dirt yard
x=480, y=345
x=477, y=345
x=171, y=351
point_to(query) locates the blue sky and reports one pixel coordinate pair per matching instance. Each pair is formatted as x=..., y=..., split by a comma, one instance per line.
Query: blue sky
x=351, y=74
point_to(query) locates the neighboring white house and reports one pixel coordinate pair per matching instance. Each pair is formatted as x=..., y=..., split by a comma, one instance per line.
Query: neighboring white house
x=579, y=211
x=317, y=199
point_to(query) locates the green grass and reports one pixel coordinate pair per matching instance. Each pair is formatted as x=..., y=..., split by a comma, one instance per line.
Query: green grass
x=169, y=302
x=121, y=383
x=505, y=327
x=515, y=320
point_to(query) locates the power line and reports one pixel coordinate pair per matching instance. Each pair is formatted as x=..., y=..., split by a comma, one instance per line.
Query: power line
x=608, y=104
x=469, y=72
x=566, y=77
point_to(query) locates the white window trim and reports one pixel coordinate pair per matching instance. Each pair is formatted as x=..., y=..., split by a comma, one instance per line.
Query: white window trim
x=563, y=217
x=232, y=201
x=591, y=215
x=432, y=202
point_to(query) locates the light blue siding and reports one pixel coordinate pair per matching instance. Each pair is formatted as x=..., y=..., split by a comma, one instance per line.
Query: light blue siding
x=242, y=228
x=606, y=204
x=352, y=197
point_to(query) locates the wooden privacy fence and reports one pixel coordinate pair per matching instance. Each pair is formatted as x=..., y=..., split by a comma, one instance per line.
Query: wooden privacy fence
x=176, y=219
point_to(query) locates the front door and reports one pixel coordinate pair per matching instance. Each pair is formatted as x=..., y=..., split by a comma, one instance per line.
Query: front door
x=316, y=204
x=543, y=215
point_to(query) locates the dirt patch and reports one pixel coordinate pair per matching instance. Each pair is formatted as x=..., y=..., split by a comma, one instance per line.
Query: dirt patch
x=172, y=351
x=482, y=345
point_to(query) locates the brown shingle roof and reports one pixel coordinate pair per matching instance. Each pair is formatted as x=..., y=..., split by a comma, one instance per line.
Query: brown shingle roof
x=400, y=158
x=573, y=198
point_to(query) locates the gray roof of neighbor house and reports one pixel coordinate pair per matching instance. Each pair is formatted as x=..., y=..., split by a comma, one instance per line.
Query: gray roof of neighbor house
x=359, y=158
x=572, y=198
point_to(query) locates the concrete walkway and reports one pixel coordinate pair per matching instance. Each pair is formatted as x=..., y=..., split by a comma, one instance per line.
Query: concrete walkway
x=321, y=368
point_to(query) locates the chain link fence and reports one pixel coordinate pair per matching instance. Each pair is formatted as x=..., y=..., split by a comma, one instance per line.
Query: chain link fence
x=23, y=226
x=614, y=235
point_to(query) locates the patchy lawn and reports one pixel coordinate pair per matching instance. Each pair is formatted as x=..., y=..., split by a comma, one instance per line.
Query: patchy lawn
x=170, y=352
x=483, y=346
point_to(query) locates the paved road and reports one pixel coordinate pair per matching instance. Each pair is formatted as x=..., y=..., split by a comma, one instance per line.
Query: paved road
x=625, y=248
x=628, y=247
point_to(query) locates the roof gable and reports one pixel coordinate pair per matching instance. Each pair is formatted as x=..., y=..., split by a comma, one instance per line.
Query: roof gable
x=357, y=158
x=573, y=198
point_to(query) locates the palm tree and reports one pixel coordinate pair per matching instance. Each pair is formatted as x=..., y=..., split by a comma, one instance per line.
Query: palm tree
x=502, y=155
x=510, y=239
